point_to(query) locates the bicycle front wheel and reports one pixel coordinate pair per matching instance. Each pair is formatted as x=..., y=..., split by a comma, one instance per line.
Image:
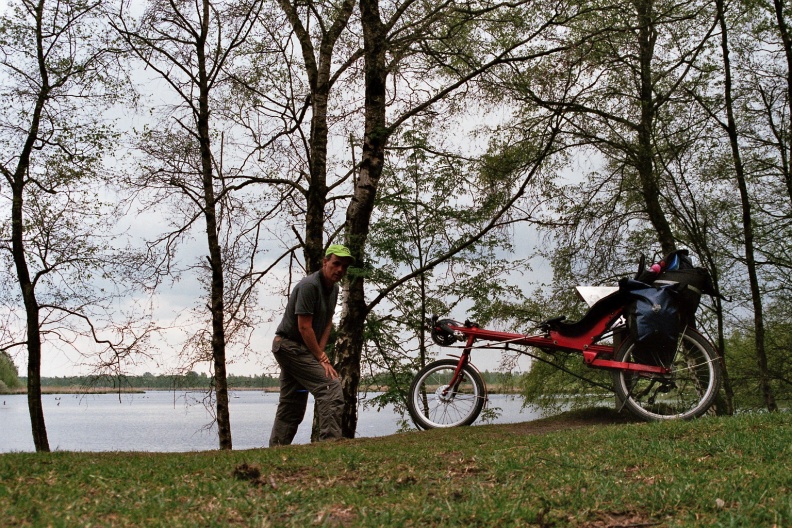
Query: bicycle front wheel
x=686, y=392
x=434, y=403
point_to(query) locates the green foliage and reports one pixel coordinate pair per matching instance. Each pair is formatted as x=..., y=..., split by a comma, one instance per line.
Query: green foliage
x=742, y=364
x=9, y=375
x=430, y=205
x=60, y=79
x=546, y=384
x=555, y=390
x=559, y=380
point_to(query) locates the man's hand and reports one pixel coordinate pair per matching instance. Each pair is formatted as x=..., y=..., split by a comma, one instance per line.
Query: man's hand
x=330, y=372
x=316, y=347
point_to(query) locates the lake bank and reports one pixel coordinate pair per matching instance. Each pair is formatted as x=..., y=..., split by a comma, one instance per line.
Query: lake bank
x=181, y=421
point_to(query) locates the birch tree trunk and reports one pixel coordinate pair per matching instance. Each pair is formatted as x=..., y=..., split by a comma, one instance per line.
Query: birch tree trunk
x=747, y=220
x=350, y=343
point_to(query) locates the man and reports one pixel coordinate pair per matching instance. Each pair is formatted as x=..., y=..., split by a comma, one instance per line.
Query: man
x=299, y=349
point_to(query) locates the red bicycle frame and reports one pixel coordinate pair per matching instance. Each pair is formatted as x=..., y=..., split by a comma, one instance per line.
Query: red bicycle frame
x=665, y=375
x=561, y=337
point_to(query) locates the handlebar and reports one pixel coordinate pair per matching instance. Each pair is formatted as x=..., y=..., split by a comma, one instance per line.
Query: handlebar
x=443, y=334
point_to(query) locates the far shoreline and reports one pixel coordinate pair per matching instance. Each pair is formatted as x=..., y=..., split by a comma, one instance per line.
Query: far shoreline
x=492, y=389
x=127, y=390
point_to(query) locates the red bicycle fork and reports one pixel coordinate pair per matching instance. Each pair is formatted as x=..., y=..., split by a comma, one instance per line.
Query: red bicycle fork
x=464, y=360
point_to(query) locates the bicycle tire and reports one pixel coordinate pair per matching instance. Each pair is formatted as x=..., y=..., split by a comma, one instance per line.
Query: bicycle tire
x=430, y=408
x=687, y=392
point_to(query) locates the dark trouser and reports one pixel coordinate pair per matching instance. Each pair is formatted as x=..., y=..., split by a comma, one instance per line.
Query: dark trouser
x=302, y=373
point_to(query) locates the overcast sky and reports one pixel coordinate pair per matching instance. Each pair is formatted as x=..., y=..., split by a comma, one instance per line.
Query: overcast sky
x=171, y=301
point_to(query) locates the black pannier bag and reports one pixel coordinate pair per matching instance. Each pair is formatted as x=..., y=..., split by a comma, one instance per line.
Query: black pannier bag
x=689, y=281
x=665, y=302
x=690, y=285
x=653, y=319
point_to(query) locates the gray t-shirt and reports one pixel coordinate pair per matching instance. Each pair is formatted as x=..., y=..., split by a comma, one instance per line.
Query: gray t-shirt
x=309, y=297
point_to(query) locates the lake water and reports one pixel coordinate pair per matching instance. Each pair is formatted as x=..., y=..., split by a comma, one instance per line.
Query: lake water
x=165, y=421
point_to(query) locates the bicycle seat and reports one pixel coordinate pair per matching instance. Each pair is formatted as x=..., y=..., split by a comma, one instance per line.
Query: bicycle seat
x=596, y=313
x=551, y=323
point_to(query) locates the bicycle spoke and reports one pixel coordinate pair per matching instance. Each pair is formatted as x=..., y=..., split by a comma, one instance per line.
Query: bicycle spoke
x=434, y=403
x=687, y=391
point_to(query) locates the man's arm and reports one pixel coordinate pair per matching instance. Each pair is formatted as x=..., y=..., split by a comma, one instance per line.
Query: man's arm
x=316, y=348
x=325, y=337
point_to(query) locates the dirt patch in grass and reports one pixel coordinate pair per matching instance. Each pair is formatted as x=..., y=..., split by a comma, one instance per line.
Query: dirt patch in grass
x=254, y=474
x=335, y=515
x=620, y=519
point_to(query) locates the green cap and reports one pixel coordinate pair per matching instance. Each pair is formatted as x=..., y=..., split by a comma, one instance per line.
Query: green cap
x=339, y=251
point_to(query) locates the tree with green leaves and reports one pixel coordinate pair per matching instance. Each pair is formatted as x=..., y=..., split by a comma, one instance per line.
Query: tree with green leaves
x=287, y=102
x=191, y=47
x=617, y=89
x=424, y=205
x=418, y=45
x=748, y=377
x=729, y=125
x=453, y=47
x=633, y=132
x=9, y=375
x=320, y=31
x=58, y=76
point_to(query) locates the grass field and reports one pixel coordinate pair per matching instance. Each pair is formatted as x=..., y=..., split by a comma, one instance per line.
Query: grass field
x=725, y=471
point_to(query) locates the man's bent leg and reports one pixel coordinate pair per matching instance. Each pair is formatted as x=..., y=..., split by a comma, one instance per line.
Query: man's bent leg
x=329, y=408
x=309, y=373
x=292, y=402
x=290, y=413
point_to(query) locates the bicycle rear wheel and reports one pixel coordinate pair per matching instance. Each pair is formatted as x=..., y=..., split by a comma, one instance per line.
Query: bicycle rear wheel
x=687, y=392
x=433, y=403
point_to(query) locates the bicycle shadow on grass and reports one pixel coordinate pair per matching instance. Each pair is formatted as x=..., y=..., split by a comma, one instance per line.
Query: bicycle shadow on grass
x=574, y=418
